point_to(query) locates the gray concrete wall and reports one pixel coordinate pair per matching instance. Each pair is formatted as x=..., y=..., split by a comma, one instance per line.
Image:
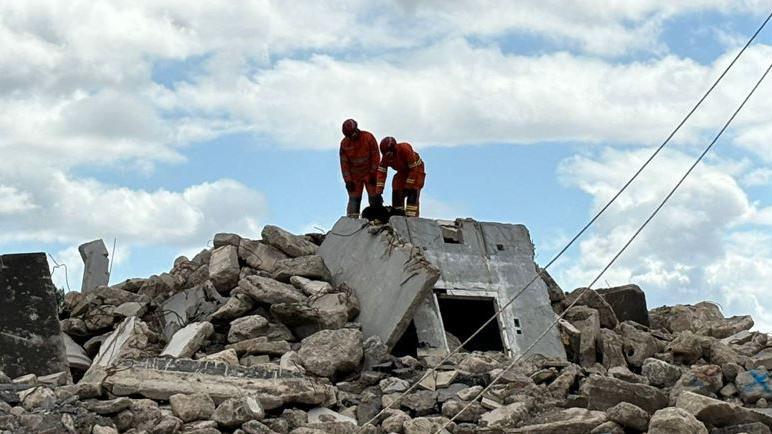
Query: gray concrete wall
x=492, y=260
x=30, y=335
x=390, y=278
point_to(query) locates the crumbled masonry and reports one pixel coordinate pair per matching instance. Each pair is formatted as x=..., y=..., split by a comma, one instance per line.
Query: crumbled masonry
x=317, y=334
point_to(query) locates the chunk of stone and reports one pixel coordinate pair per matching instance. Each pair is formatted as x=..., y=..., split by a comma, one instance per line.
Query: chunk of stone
x=629, y=416
x=439, y=379
x=761, y=360
x=37, y=398
x=623, y=373
x=420, y=403
x=235, y=411
x=160, y=286
x=587, y=321
x=326, y=311
x=292, y=245
x=255, y=427
x=395, y=421
x=393, y=385
x=188, y=340
x=261, y=345
x=698, y=318
x=702, y=379
x=422, y=425
x=311, y=267
x=74, y=327
x=713, y=411
x=753, y=385
x=686, y=348
x=57, y=379
x=590, y=298
x=329, y=352
x=235, y=307
x=507, y=416
x=225, y=239
x=269, y=291
x=112, y=406
x=639, y=343
x=604, y=392
x=608, y=428
x=290, y=361
x=321, y=414
x=572, y=420
x=311, y=287
x=247, y=327
x=660, y=373
x=229, y=357
x=675, y=420
x=628, y=303
x=612, y=349
x=131, y=308
x=454, y=408
x=188, y=408
x=130, y=339
x=260, y=256
x=224, y=267
x=30, y=332
x=193, y=304
x=101, y=429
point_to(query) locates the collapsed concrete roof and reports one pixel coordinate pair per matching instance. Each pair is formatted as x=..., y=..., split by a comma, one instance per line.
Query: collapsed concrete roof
x=392, y=269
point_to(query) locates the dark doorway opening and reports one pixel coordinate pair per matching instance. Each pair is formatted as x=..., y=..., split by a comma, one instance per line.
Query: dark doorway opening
x=407, y=345
x=463, y=315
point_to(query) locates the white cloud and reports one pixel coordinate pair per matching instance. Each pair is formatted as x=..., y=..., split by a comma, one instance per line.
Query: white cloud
x=693, y=250
x=13, y=201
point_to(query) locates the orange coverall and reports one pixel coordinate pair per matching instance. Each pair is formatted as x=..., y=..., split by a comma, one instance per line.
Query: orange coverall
x=359, y=160
x=408, y=181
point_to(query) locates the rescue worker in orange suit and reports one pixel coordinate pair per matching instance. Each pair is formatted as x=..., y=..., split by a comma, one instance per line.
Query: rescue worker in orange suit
x=410, y=177
x=359, y=159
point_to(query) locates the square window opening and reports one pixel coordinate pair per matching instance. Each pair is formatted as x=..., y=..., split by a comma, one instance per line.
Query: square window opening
x=462, y=316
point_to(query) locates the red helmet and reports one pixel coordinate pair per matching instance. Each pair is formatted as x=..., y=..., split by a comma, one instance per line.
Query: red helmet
x=387, y=144
x=350, y=127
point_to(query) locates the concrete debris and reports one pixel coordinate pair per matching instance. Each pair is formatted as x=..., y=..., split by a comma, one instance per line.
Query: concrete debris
x=281, y=336
x=30, y=334
x=96, y=265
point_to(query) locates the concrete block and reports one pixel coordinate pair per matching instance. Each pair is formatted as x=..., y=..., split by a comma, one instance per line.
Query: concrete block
x=76, y=355
x=390, y=278
x=192, y=304
x=224, y=267
x=628, y=303
x=188, y=340
x=96, y=265
x=30, y=333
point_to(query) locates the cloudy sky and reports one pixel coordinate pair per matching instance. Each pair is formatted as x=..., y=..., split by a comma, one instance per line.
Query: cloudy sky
x=161, y=122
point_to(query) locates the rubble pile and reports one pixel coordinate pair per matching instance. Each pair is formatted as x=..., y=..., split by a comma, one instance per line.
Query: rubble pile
x=250, y=337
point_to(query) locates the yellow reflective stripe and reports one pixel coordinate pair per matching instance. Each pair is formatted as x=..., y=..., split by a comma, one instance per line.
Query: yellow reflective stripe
x=382, y=169
x=417, y=163
x=410, y=180
x=380, y=184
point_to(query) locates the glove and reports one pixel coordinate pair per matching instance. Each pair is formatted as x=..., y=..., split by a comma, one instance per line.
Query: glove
x=372, y=180
x=376, y=200
x=350, y=186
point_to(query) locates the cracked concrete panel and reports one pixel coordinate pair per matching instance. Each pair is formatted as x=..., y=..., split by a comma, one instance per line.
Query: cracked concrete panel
x=96, y=265
x=489, y=260
x=390, y=278
x=30, y=334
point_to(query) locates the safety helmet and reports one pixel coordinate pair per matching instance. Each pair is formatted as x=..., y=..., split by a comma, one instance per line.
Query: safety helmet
x=387, y=144
x=350, y=127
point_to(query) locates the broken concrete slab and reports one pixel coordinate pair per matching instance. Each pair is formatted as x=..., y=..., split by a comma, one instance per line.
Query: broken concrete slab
x=188, y=340
x=260, y=256
x=96, y=265
x=293, y=245
x=192, y=304
x=159, y=378
x=390, y=277
x=268, y=291
x=224, y=267
x=493, y=261
x=31, y=339
x=311, y=267
x=603, y=393
x=628, y=303
x=76, y=355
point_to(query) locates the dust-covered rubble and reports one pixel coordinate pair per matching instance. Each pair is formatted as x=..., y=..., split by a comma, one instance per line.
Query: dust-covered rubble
x=250, y=337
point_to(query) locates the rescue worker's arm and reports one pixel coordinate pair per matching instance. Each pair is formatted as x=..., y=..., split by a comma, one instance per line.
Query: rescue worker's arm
x=413, y=163
x=375, y=155
x=380, y=183
x=345, y=169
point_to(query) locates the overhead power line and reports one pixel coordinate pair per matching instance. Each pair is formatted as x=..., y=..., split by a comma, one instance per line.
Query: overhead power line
x=624, y=247
x=581, y=232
